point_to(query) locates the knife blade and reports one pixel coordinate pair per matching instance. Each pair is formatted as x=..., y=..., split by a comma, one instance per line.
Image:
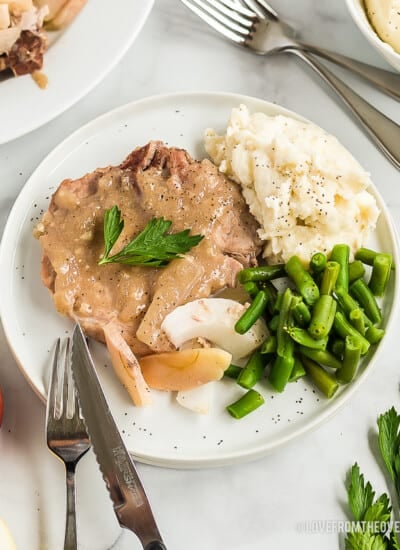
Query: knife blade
x=130, y=502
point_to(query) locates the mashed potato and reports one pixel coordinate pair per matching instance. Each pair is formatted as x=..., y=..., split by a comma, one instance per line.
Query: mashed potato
x=306, y=191
x=384, y=16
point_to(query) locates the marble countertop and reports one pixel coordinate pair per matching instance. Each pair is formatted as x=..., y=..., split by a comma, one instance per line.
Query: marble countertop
x=273, y=502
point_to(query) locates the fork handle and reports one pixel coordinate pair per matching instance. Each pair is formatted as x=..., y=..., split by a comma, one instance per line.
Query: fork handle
x=387, y=81
x=384, y=132
x=70, y=540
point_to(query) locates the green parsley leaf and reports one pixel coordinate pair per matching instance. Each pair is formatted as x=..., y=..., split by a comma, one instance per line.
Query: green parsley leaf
x=360, y=496
x=379, y=513
x=393, y=543
x=153, y=247
x=358, y=540
x=113, y=226
x=388, y=427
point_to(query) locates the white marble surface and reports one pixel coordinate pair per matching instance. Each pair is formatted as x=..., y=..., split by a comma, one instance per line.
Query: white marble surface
x=258, y=505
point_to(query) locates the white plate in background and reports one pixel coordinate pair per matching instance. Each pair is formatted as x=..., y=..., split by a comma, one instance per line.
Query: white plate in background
x=164, y=433
x=81, y=56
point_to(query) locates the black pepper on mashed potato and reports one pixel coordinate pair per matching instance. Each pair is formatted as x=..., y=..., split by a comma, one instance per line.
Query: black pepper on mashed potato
x=304, y=188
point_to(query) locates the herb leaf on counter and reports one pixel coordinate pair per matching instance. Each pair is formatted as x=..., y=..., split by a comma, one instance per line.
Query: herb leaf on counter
x=393, y=544
x=360, y=540
x=373, y=516
x=153, y=247
x=361, y=495
x=389, y=444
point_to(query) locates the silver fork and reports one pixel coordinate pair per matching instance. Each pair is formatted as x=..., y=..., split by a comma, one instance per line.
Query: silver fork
x=255, y=25
x=66, y=432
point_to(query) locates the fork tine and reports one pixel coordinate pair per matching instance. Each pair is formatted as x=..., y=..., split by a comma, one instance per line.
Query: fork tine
x=225, y=30
x=261, y=8
x=236, y=6
x=225, y=7
x=53, y=384
x=269, y=10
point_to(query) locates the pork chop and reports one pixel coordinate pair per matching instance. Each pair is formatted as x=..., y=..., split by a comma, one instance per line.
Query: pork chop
x=153, y=181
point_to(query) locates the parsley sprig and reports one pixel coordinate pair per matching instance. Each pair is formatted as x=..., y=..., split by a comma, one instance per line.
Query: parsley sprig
x=373, y=516
x=389, y=444
x=153, y=247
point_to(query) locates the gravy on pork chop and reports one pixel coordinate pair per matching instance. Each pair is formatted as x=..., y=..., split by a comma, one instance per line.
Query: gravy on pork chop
x=153, y=181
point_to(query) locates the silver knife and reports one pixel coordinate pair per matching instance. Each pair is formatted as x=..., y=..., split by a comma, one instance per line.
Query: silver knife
x=130, y=502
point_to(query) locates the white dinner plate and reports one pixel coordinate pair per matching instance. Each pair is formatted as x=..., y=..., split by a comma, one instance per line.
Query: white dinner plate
x=164, y=433
x=75, y=63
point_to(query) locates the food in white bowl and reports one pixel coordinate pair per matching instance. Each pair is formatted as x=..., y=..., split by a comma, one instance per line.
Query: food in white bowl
x=23, y=37
x=305, y=189
x=384, y=16
x=60, y=12
x=150, y=288
x=378, y=26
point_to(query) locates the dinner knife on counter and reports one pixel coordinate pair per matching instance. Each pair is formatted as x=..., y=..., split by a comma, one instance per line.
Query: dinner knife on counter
x=130, y=502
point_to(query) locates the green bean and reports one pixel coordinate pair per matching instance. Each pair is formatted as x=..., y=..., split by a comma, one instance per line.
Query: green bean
x=278, y=302
x=251, y=288
x=367, y=256
x=281, y=370
x=344, y=328
x=298, y=370
x=322, y=316
x=269, y=345
x=380, y=274
x=360, y=291
x=329, y=277
x=356, y=270
x=284, y=342
x=305, y=284
x=272, y=294
x=248, y=403
x=341, y=254
x=356, y=318
x=351, y=359
x=233, y=371
x=374, y=334
x=252, y=313
x=322, y=379
x=252, y=371
x=302, y=337
x=321, y=356
x=348, y=304
x=337, y=348
x=300, y=311
x=261, y=273
x=318, y=262
x=273, y=323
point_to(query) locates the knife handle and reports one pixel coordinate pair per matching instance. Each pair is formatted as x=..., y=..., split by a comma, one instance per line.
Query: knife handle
x=155, y=545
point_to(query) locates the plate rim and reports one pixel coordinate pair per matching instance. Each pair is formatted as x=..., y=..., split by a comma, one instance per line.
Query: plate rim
x=261, y=449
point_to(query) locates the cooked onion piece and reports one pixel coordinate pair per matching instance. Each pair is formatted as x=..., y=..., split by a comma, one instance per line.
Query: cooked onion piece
x=197, y=399
x=184, y=370
x=214, y=319
x=126, y=365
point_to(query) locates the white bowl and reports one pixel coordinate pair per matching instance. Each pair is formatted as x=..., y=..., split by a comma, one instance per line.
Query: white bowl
x=359, y=15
